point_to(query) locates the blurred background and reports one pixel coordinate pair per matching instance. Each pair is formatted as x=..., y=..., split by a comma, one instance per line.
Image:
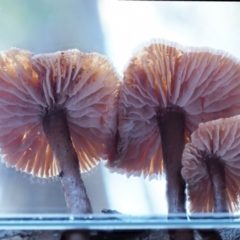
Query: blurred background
x=113, y=28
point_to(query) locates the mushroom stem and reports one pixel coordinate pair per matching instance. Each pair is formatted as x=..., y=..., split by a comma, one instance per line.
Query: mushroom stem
x=57, y=131
x=216, y=173
x=171, y=124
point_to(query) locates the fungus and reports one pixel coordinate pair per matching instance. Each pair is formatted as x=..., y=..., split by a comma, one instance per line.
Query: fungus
x=58, y=115
x=211, y=166
x=167, y=91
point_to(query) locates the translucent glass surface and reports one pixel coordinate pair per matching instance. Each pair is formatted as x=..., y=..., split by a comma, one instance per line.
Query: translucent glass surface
x=117, y=221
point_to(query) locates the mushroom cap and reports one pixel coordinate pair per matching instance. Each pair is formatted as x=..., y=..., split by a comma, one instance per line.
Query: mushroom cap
x=219, y=138
x=84, y=85
x=204, y=82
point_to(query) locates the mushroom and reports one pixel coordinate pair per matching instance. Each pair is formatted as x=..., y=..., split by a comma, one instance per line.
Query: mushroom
x=58, y=115
x=167, y=91
x=211, y=166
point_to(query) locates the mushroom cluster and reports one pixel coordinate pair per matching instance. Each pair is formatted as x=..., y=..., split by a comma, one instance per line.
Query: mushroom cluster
x=58, y=115
x=167, y=91
x=63, y=112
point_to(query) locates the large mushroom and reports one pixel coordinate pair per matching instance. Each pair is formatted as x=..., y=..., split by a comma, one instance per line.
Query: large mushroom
x=167, y=91
x=58, y=116
x=211, y=166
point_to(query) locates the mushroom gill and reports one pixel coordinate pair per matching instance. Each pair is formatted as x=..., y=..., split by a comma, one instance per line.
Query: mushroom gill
x=211, y=163
x=58, y=114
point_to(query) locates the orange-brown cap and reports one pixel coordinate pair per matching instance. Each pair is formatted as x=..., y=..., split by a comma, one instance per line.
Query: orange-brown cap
x=204, y=82
x=220, y=138
x=84, y=85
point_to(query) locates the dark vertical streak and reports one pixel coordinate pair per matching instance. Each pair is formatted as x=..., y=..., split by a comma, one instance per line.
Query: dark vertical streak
x=216, y=173
x=171, y=124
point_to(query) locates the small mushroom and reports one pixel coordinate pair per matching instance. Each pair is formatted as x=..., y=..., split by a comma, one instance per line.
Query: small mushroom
x=167, y=91
x=211, y=166
x=58, y=115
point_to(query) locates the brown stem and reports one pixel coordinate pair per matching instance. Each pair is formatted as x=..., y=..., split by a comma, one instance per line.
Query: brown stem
x=56, y=129
x=171, y=124
x=216, y=173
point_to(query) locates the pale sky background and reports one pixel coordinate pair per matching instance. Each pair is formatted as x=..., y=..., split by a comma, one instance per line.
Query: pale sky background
x=120, y=27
